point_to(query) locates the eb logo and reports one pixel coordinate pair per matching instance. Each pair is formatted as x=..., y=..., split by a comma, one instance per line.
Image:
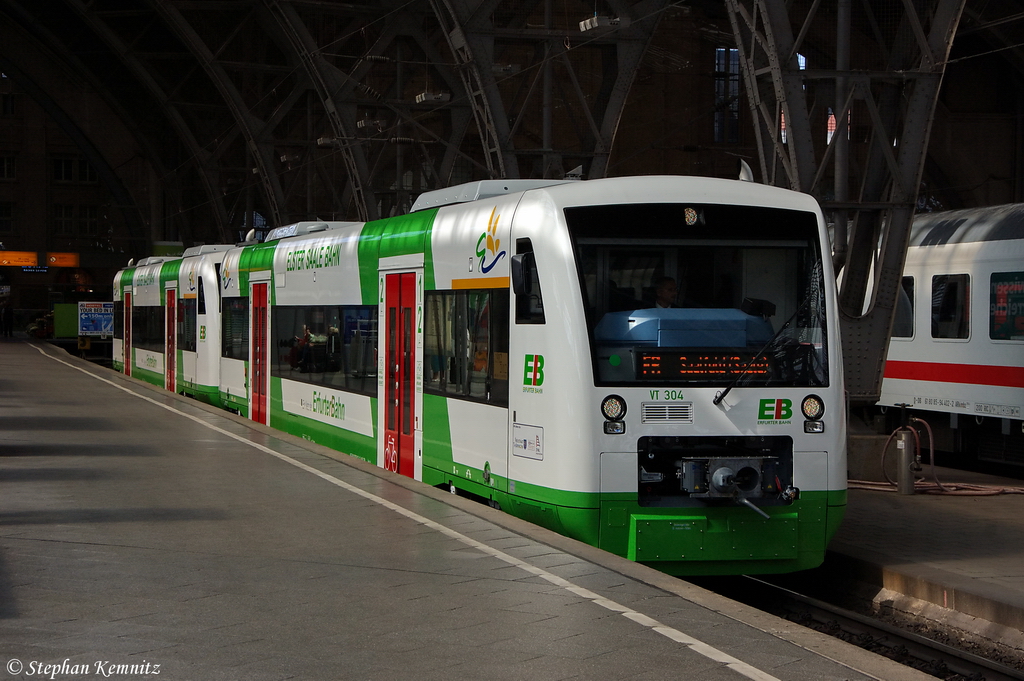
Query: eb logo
x=775, y=410
x=533, y=371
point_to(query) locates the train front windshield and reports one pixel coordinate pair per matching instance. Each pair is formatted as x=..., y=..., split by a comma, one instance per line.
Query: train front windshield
x=702, y=294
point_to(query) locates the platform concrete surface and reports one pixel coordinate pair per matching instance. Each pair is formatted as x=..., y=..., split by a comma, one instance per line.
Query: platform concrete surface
x=143, y=534
x=960, y=549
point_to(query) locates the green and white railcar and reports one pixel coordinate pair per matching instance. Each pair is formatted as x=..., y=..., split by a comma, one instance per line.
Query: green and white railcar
x=233, y=376
x=505, y=341
x=121, y=359
x=198, y=343
x=167, y=322
x=145, y=325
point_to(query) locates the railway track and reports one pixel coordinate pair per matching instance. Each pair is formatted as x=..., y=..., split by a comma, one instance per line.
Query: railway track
x=912, y=649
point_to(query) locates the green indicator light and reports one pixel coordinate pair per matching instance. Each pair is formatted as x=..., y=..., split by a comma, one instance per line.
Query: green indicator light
x=615, y=360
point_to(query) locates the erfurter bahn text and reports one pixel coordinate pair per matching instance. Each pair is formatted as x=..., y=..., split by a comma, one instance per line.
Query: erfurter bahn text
x=650, y=365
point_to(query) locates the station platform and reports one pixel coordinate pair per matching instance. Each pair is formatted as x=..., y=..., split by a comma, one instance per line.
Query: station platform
x=953, y=555
x=142, y=533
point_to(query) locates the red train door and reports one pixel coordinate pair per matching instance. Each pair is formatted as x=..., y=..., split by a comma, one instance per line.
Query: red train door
x=400, y=379
x=170, y=345
x=127, y=333
x=260, y=369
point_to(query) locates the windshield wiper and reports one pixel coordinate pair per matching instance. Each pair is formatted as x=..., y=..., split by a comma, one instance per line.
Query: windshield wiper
x=743, y=372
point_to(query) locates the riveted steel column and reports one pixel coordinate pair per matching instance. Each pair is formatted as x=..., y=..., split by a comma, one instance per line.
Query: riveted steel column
x=866, y=335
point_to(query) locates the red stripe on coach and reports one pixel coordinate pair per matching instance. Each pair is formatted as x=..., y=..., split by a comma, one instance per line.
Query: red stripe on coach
x=1006, y=377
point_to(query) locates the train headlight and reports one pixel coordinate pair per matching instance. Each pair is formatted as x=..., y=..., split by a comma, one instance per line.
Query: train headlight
x=613, y=408
x=812, y=407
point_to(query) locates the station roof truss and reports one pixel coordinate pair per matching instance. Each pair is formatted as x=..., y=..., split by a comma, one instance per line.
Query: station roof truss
x=310, y=109
x=262, y=113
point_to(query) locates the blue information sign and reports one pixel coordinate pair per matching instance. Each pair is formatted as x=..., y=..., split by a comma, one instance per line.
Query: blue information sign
x=95, y=319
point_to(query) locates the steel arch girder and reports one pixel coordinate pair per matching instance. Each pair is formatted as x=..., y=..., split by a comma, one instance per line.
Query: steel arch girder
x=471, y=50
x=866, y=336
x=140, y=72
x=174, y=116
x=464, y=21
x=63, y=118
x=253, y=129
x=328, y=82
x=629, y=53
x=767, y=46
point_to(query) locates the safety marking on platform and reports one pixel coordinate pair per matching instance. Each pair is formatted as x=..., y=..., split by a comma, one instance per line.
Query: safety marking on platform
x=695, y=645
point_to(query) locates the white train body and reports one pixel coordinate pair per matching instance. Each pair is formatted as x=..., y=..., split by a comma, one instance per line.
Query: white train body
x=198, y=322
x=140, y=338
x=233, y=377
x=167, y=321
x=957, y=350
x=511, y=347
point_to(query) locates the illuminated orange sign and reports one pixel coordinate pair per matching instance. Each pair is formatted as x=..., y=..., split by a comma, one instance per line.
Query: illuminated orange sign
x=62, y=259
x=19, y=258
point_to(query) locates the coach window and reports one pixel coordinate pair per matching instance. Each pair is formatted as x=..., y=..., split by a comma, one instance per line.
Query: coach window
x=201, y=298
x=1006, y=306
x=466, y=344
x=951, y=294
x=903, y=320
x=148, y=328
x=119, y=319
x=235, y=328
x=187, y=324
x=329, y=345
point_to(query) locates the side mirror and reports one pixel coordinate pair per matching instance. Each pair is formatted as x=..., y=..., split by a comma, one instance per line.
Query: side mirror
x=522, y=273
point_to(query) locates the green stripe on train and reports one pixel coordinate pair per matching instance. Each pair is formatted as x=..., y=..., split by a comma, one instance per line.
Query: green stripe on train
x=401, y=235
x=256, y=258
x=203, y=393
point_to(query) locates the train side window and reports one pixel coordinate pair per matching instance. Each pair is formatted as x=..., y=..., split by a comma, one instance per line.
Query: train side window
x=951, y=311
x=526, y=282
x=903, y=320
x=1006, y=306
x=187, y=324
x=119, y=319
x=235, y=328
x=148, y=328
x=466, y=344
x=330, y=345
x=201, y=298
